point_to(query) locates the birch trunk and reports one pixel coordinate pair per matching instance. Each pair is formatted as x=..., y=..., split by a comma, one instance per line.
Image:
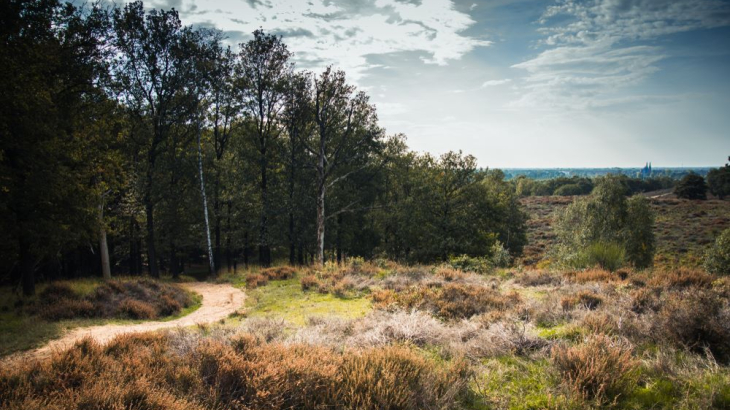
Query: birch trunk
x=103, y=247
x=205, y=205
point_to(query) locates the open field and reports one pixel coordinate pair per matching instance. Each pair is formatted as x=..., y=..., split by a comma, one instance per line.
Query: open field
x=383, y=335
x=683, y=229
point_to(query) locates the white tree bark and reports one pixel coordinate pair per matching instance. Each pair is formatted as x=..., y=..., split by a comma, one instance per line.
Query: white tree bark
x=104, y=248
x=205, y=204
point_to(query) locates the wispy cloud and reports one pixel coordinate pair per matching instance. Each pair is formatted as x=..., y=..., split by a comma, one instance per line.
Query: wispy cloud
x=595, y=48
x=494, y=83
x=344, y=33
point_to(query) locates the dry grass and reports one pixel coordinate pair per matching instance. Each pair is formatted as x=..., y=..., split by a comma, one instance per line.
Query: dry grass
x=149, y=372
x=598, y=370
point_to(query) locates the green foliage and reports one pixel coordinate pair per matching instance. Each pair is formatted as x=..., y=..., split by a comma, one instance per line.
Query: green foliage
x=717, y=258
x=718, y=181
x=691, y=186
x=607, y=255
x=605, y=228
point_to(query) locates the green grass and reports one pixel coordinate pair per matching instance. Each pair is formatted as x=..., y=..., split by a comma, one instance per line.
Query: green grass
x=20, y=331
x=518, y=383
x=285, y=299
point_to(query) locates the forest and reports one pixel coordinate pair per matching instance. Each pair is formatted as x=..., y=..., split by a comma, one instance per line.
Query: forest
x=133, y=142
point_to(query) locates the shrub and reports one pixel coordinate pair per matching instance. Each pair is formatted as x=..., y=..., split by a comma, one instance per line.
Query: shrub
x=309, y=282
x=68, y=309
x=538, y=278
x=599, y=369
x=147, y=372
x=588, y=300
x=718, y=181
x=590, y=275
x=456, y=301
x=717, y=258
x=605, y=228
x=697, y=320
x=136, y=309
x=255, y=280
x=691, y=186
x=449, y=274
x=681, y=278
x=279, y=273
x=466, y=263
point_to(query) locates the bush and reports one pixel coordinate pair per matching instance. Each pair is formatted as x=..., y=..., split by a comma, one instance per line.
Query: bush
x=691, y=186
x=592, y=229
x=466, y=263
x=136, y=309
x=695, y=319
x=279, y=273
x=718, y=181
x=68, y=309
x=588, y=300
x=255, y=280
x=150, y=372
x=717, y=258
x=309, y=282
x=599, y=369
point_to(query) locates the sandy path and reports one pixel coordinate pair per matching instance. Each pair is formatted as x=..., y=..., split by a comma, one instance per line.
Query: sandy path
x=219, y=301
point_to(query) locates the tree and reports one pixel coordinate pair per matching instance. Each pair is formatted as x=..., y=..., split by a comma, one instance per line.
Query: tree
x=154, y=78
x=717, y=258
x=718, y=181
x=52, y=56
x=346, y=133
x=263, y=72
x=691, y=186
x=607, y=223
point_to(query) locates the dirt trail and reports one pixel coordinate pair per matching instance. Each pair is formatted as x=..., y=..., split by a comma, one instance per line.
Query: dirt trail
x=219, y=300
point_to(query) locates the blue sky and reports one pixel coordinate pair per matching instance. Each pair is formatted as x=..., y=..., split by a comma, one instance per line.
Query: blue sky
x=521, y=83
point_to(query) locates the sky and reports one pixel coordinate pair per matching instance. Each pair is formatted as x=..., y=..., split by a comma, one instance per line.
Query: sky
x=517, y=83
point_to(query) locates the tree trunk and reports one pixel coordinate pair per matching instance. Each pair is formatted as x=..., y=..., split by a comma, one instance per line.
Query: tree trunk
x=217, y=227
x=264, y=250
x=27, y=266
x=151, y=251
x=339, y=239
x=228, y=236
x=205, y=205
x=103, y=248
x=245, y=249
x=174, y=262
x=321, y=189
x=132, y=248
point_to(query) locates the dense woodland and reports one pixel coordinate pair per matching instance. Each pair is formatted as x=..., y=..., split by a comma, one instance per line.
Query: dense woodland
x=134, y=144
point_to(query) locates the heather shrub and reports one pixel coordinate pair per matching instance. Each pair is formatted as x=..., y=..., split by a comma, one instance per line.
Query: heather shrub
x=717, y=258
x=146, y=372
x=696, y=320
x=279, y=273
x=538, y=278
x=136, y=309
x=138, y=299
x=590, y=275
x=68, y=309
x=587, y=300
x=680, y=279
x=309, y=282
x=255, y=280
x=599, y=370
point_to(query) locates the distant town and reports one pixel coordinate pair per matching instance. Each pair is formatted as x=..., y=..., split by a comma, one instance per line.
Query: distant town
x=640, y=172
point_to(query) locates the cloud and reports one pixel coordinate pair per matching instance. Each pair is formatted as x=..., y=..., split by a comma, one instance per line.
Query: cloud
x=494, y=83
x=345, y=33
x=595, y=48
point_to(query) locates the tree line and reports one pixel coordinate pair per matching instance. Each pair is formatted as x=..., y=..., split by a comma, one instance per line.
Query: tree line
x=132, y=143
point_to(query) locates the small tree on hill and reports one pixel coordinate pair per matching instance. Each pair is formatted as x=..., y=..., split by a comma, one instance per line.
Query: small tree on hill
x=717, y=258
x=607, y=225
x=718, y=180
x=691, y=186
